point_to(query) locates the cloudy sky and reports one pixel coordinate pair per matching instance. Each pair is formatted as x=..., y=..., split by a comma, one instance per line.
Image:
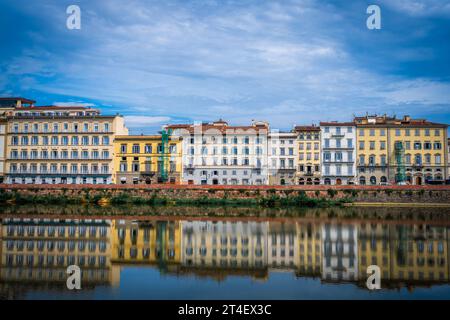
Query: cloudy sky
x=288, y=62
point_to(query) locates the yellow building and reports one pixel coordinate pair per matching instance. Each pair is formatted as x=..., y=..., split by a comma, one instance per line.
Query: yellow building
x=308, y=140
x=147, y=242
x=310, y=249
x=388, y=146
x=52, y=144
x=141, y=159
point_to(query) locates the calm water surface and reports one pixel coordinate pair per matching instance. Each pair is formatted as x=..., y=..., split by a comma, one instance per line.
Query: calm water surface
x=216, y=253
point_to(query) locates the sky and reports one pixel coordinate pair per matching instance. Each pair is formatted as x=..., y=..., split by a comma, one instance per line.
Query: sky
x=289, y=62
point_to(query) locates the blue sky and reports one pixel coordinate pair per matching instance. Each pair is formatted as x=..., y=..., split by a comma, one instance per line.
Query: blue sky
x=288, y=62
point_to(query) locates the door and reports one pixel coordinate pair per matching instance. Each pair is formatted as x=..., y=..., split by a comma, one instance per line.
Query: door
x=418, y=181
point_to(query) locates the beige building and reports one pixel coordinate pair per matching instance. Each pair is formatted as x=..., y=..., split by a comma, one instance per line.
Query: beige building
x=52, y=144
x=38, y=251
x=308, y=140
x=6, y=105
x=282, y=160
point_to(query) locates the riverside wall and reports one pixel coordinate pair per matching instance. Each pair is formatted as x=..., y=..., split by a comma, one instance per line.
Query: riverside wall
x=359, y=194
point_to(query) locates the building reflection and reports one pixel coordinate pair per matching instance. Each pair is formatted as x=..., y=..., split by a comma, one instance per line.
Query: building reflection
x=36, y=252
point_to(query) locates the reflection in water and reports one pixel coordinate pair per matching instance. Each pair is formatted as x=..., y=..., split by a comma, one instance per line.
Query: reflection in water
x=35, y=252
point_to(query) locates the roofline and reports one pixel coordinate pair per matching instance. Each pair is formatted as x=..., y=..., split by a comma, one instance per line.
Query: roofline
x=18, y=98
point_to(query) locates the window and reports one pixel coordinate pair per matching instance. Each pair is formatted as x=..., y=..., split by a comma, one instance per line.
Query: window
x=74, y=140
x=418, y=159
x=327, y=143
x=135, y=148
x=397, y=132
x=361, y=160
x=85, y=140
x=338, y=143
x=361, y=145
x=105, y=140
x=382, y=145
x=417, y=145
x=349, y=143
x=437, y=159
x=65, y=140
x=123, y=148
x=106, y=127
x=349, y=129
x=327, y=129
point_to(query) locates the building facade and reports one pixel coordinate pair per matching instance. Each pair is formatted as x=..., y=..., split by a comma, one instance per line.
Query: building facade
x=338, y=153
x=282, y=160
x=309, y=153
x=372, y=134
x=409, y=151
x=145, y=160
x=219, y=154
x=2, y=149
x=52, y=144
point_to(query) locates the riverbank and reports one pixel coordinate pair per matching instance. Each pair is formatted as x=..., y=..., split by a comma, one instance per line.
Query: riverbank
x=263, y=196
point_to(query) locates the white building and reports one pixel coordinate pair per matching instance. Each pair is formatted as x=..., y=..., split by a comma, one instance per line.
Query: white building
x=219, y=154
x=283, y=155
x=339, y=152
x=224, y=244
x=340, y=252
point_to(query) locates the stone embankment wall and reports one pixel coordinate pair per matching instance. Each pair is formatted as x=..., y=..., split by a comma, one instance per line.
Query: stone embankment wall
x=368, y=194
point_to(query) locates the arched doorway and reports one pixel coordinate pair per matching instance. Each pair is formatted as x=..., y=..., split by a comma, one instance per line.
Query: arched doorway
x=316, y=181
x=373, y=180
x=362, y=181
x=215, y=181
x=338, y=181
x=418, y=180
x=282, y=182
x=327, y=181
x=383, y=180
x=301, y=181
x=309, y=181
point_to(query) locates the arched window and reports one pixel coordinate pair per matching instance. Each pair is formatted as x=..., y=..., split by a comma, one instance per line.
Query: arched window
x=309, y=181
x=373, y=180
x=362, y=181
x=383, y=180
x=316, y=181
x=327, y=181
x=418, y=159
x=301, y=181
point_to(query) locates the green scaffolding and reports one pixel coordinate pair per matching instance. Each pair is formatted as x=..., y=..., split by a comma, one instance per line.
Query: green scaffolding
x=400, y=175
x=165, y=153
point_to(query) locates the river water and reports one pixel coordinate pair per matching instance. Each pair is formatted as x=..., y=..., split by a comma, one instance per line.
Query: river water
x=223, y=253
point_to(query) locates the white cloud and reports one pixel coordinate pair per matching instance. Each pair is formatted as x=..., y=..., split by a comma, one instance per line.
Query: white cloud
x=142, y=121
x=286, y=62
